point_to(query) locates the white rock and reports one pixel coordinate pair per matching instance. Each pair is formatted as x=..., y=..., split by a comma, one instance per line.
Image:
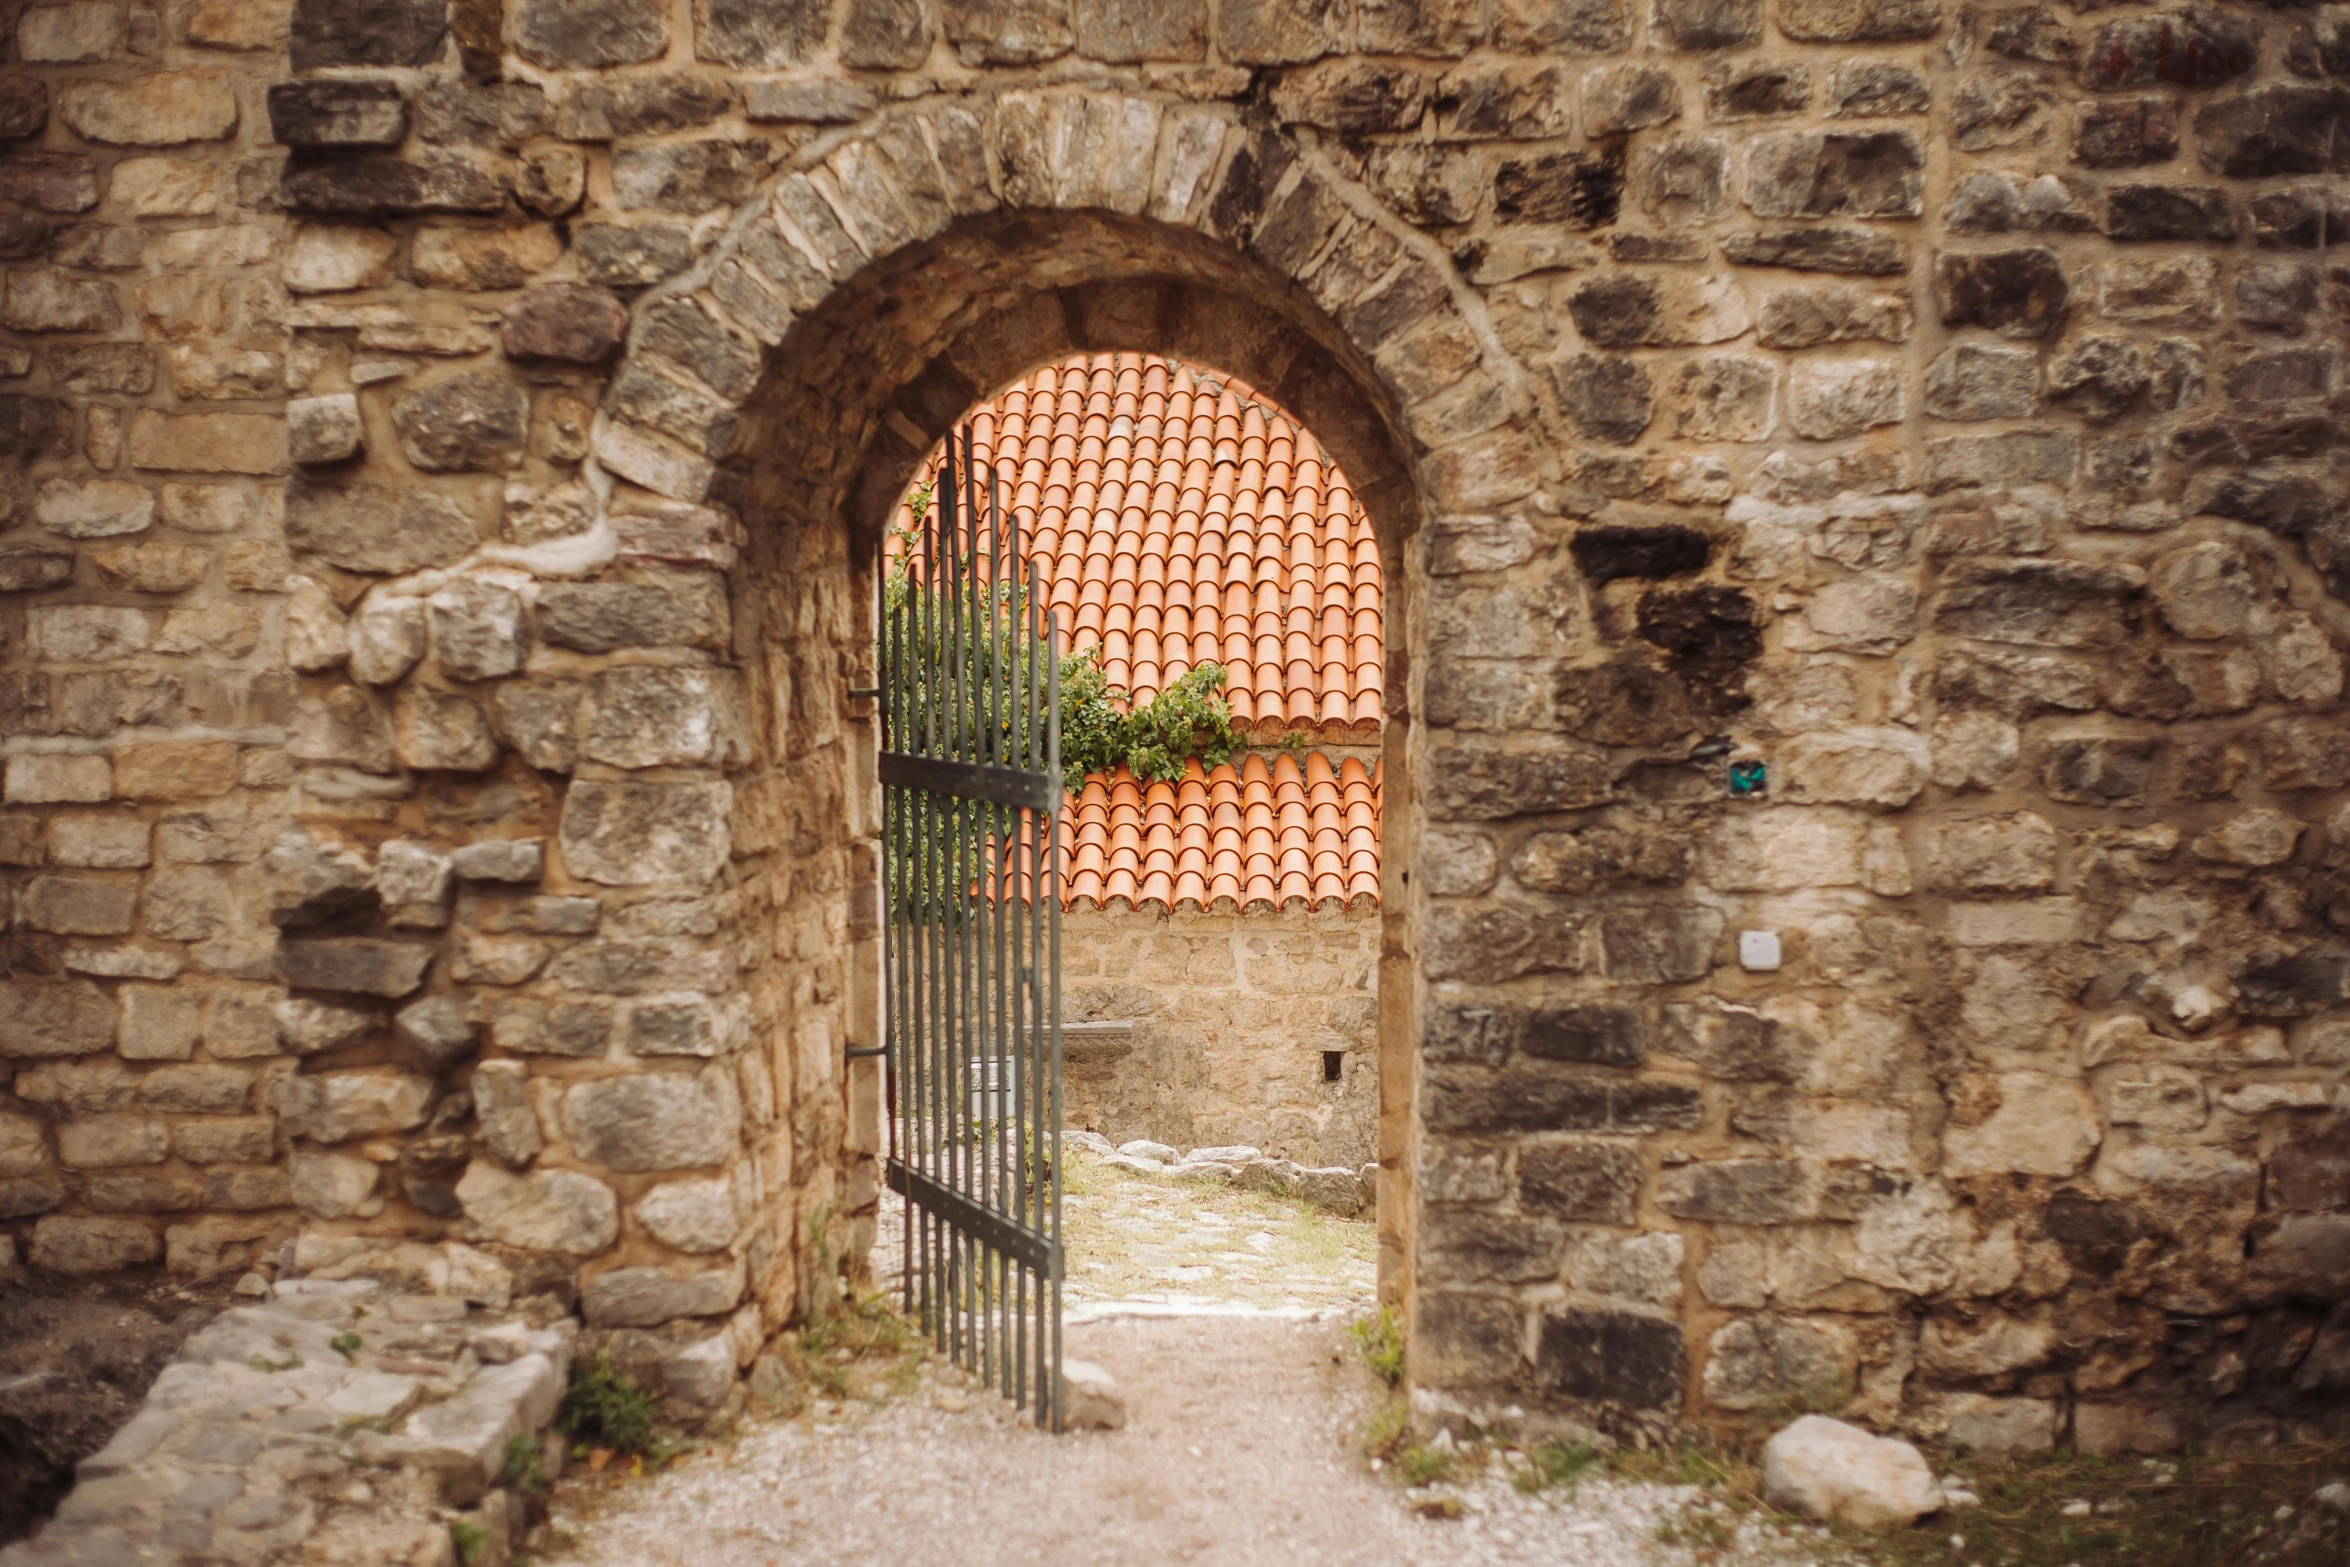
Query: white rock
x=1089, y=1398
x=316, y=636
x=1827, y=1469
x=1237, y=1153
x=1143, y=1148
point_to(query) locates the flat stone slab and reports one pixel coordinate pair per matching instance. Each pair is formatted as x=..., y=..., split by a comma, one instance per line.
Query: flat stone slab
x=256, y=1444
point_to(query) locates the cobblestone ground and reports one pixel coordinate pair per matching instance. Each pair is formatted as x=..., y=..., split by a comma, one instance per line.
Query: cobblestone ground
x=1243, y=1442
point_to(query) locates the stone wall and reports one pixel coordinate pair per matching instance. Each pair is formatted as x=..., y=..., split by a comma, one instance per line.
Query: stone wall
x=1233, y=1017
x=446, y=444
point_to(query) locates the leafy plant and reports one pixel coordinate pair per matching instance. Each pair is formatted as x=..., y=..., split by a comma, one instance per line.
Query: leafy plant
x=1379, y=1340
x=526, y=1465
x=955, y=655
x=1101, y=725
x=345, y=1344
x=604, y=1407
x=469, y=1538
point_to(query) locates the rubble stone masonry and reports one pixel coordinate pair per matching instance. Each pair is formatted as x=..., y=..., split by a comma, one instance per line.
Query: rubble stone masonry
x=442, y=451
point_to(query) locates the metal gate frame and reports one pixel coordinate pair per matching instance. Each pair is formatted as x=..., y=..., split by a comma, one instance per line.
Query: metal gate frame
x=971, y=796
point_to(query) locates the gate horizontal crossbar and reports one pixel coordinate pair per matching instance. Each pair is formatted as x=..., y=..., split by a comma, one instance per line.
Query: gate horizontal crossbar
x=971, y=780
x=1024, y=1246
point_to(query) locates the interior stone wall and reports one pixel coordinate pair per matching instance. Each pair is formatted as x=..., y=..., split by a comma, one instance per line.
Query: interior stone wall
x=443, y=441
x=1232, y=1015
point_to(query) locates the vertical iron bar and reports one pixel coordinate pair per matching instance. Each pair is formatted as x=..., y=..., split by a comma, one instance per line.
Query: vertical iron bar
x=1050, y=1010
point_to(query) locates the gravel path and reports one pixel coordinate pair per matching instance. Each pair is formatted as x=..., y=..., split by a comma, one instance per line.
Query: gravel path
x=1241, y=1447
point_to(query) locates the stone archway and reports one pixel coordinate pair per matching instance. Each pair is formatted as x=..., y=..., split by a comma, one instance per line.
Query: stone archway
x=796, y=379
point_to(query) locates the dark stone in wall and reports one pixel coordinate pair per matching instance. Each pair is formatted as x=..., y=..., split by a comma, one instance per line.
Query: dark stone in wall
x=1542, y=1097
x=1739, y=1191
x=2309, y=981
x=1595, y=1032
x=1480, y=783
x=328, y=113
x=2169, y=212
x=379, y=33
x=760, y=34
x=1626, y=701
x=2128, y=134
x=50, y=181
x=886, y=35
x=2016, y=293
x=2033, y=32
x=563, y=321
x=35, y=428
x=1478, y=1035
x=1617, y=1357
x=2099, y=770
x=2276, y=130
x=1581, y=1183
x=1609, y=397
x=380, y=185
x=1580, y=190
x=1746, y=90
x=1547, y=26
x=2198, y=46
x=23, y=236
x=579, y=35
x=1618, y=311
x=1475, y=1247
x=1709, y=24
x=464, y=114
x=1704, y=624
x=1866, y=88
x=1858, y=251
x=2096, y=1235
x=24, y=107
x=1472, y=1338
x=1859, y=21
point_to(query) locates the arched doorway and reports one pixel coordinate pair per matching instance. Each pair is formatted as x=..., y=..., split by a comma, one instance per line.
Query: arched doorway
x=827, y=435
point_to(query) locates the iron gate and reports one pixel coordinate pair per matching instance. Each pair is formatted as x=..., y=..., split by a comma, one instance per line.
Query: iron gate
x=970, y=769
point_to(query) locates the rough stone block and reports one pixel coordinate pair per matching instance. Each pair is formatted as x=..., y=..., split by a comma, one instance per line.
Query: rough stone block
x=653, y=1120
x=631, y=833
x=1585, y=1183
x=550, y=1210
x=648, y=1297
x=357, y=965
x=2016, y=293
x=395, y=33
x=1618, y=1357
x=337, y=113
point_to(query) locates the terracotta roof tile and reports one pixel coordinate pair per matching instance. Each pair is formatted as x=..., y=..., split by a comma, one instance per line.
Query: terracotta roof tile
x=1267, y=833
x=1177, y=517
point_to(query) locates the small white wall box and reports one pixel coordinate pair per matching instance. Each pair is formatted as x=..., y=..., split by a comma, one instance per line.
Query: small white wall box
x=1758, y=949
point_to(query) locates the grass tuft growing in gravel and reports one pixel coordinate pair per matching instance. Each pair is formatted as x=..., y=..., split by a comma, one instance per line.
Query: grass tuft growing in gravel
x=865, y=1350
x=1379, y=1340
